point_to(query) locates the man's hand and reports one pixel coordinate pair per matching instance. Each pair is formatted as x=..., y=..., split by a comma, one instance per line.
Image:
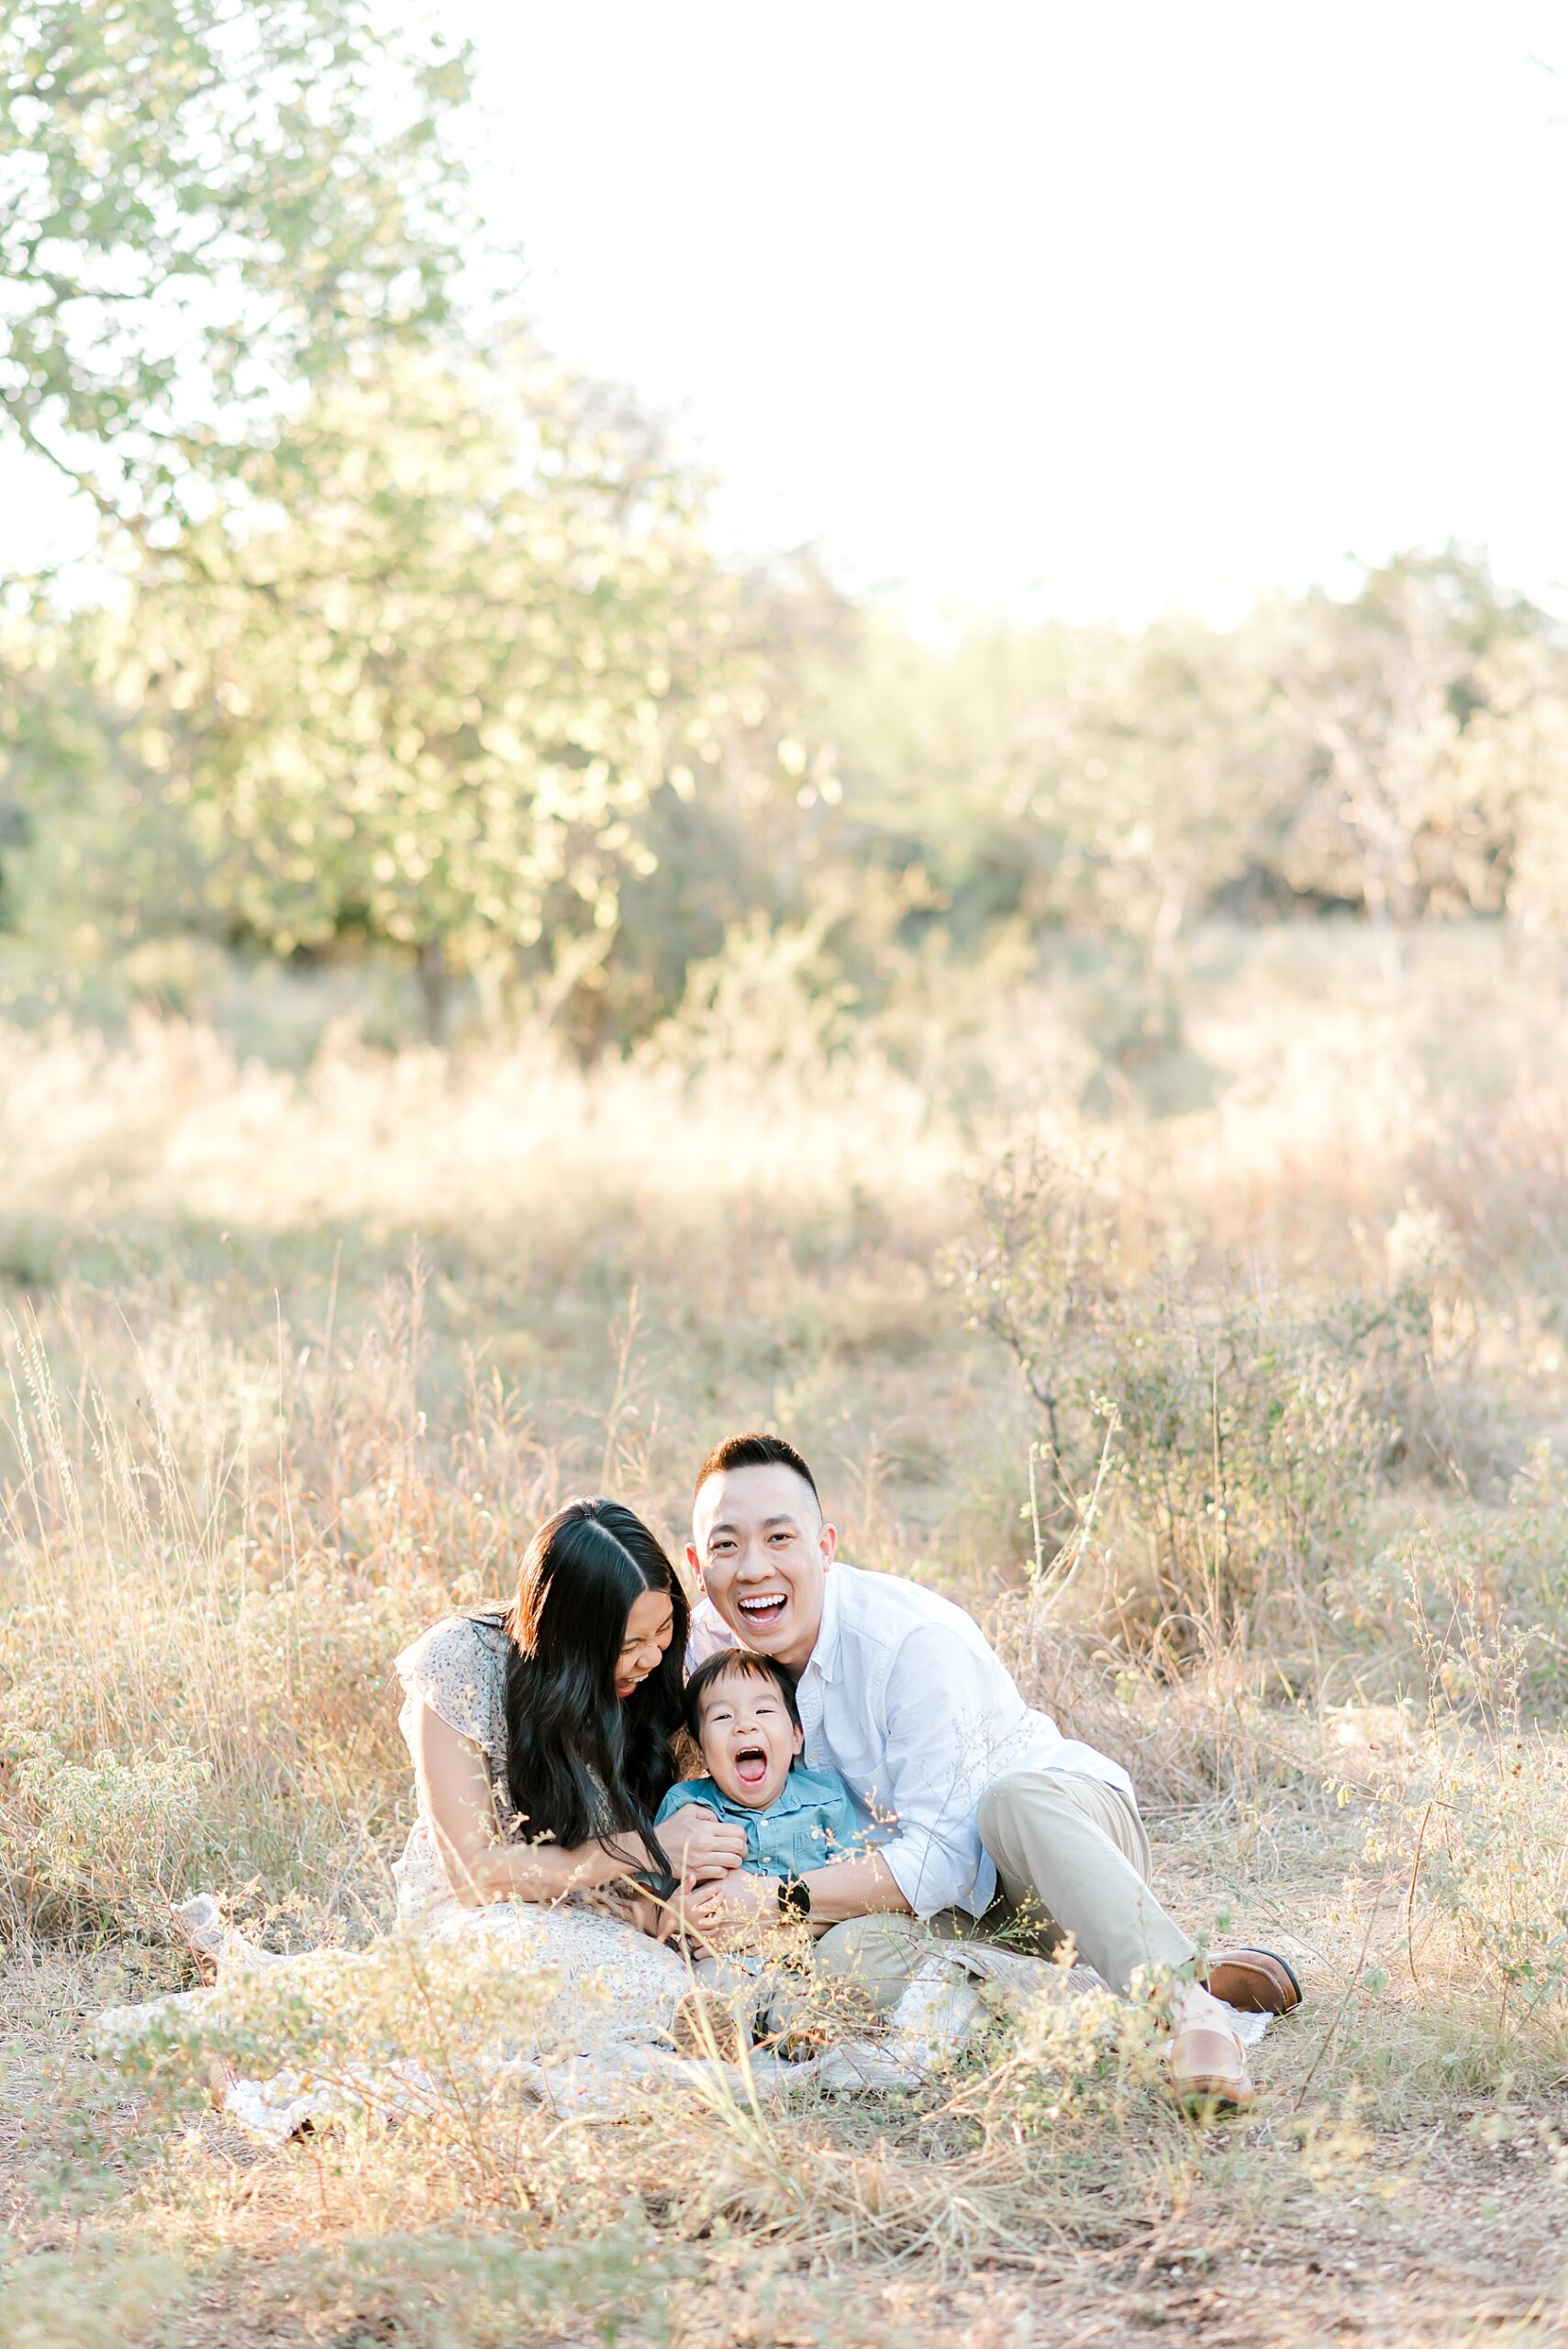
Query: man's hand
x=701, y=1846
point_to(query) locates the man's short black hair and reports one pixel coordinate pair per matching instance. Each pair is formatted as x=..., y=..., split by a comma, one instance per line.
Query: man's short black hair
x=755, y=1449
x=732, y=1663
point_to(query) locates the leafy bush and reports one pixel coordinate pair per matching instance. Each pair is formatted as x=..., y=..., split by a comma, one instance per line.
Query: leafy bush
x=94, y=2296
x=1240, y=1430
x=107, y=1838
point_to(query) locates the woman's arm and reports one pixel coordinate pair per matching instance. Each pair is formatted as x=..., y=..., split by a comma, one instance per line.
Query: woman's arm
x=454, y=1789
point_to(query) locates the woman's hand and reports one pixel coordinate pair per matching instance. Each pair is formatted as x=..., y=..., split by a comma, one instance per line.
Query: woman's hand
x=630, y=1908
x=702, y=1847
x=736, y=1910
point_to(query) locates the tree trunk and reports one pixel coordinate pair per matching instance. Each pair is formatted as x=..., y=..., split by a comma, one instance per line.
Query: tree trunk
x=431, y=970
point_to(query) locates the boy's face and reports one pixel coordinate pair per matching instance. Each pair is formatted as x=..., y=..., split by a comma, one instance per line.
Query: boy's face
x=748, y=1738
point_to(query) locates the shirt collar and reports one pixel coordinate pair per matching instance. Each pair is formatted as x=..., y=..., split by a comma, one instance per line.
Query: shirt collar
x=802, y=1791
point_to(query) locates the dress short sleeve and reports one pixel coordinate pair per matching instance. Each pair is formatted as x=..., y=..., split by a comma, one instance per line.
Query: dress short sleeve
x=458, y=1669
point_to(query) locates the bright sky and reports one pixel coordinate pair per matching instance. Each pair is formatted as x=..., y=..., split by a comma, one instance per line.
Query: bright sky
x=1085, y=309
x=1090, y=307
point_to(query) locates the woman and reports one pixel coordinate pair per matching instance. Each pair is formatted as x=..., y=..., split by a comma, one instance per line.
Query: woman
x=542, y=1737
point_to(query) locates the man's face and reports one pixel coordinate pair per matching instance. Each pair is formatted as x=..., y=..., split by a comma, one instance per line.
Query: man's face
x=760, y=1549
x=748, y=1738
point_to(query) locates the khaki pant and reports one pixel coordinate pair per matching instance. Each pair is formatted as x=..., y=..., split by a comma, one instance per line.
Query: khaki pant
x=1072, y=1860
x=782, y=1993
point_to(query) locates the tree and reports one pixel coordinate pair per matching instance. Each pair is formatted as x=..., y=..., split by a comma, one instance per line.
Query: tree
x=421, y=681
x=1512, y=763
x=1074, y=778
x=206, y=204
x=1156, y=779
x=1385, y=689
x=90, y=855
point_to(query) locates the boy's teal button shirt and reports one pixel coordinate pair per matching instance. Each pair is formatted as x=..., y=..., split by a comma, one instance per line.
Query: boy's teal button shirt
x=813, y=1822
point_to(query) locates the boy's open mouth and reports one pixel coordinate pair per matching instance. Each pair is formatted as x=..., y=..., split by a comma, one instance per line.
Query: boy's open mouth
x=752, y=1765
x=765, y=1607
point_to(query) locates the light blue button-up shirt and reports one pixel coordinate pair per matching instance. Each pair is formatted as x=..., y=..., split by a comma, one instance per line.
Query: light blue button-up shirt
x=813, y=1821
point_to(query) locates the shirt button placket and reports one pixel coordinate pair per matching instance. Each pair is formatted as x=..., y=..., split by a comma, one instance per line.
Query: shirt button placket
x=808, y=1703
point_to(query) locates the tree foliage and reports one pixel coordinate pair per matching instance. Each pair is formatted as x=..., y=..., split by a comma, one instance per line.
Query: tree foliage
x=1382, y=693
x=206, y=204
x=419, y=682
x=423, y=648
x=456, y=676
x=1400, y=752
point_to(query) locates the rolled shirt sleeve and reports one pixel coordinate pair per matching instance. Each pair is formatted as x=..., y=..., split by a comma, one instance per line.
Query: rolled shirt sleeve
x=941, y=1753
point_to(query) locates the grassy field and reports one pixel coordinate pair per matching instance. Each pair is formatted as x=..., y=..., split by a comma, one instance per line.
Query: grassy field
x=1226, y=1374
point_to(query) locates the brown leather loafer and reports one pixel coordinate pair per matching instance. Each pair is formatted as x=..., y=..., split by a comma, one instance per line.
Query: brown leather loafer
x=1254, y=1981
x=1209, y=2072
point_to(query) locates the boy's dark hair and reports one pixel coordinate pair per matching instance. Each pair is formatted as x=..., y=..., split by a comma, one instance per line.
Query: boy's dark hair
x=741, y=1662
x=755, y=1449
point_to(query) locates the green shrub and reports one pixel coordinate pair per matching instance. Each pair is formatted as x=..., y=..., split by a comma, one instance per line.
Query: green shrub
x=1209, y=1447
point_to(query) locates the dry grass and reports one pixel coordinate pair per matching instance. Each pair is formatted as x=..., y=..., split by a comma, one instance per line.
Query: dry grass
x=296, y=1363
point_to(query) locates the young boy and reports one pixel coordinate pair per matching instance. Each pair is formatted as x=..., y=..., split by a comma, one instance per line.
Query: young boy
x=742, y=1717
x=741, y=1712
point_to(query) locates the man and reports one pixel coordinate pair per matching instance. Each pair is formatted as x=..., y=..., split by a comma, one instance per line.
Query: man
x=987, y=1809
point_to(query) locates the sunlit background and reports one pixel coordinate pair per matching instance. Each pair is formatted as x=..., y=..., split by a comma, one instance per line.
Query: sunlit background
x=1085, y=312
x=849, y=718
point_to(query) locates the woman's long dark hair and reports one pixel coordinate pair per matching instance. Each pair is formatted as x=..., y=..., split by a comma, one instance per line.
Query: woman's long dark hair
x=583, y=1762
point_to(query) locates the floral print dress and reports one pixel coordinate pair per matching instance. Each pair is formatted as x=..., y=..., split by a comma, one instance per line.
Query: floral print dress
x=580, y=2004
x=458, y=1669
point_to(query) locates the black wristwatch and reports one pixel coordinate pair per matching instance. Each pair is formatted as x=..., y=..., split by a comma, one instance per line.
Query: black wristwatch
x=794, y=1896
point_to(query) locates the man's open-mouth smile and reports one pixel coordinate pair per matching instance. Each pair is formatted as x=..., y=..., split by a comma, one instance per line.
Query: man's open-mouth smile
x=763, y=1606
x=752, y=1765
